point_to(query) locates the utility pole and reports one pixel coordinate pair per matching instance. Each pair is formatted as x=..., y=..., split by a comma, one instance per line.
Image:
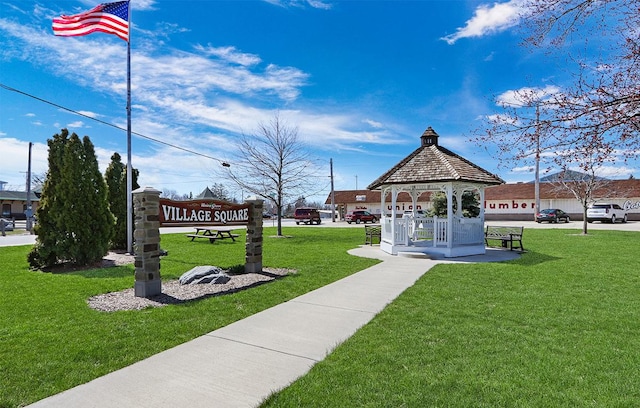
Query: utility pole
x=333, y=194
x=29, y=212
x=537, y=181
x=356, y=181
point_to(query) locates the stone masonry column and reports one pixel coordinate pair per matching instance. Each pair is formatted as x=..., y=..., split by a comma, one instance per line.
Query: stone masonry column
x=146, y=204
x=253, y=257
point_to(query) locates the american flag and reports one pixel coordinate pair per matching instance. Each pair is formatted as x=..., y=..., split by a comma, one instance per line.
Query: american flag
x=110, y=18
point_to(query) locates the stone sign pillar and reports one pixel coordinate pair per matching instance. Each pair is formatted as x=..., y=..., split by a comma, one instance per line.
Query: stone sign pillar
x=147, y=242
x=253, y=257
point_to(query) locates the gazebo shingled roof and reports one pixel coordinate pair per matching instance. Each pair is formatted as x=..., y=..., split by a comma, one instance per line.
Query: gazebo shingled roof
x=433, y=163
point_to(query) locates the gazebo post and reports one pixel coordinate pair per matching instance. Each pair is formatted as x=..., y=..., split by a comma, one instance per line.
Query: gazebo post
x=414, y=199
x=449, y=215
x=383, y=214
x=394, y=200
x=459, y=193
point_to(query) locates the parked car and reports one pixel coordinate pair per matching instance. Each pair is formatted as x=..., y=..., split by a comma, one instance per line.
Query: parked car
x=418, y=213
x=606, y=213
x=307, y=215
x=8, y=224
x=554, y=215
x=360, y=216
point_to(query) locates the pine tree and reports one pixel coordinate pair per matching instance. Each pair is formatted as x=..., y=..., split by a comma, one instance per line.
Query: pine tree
x=46, y=250
x=87, y=218
x=470, y=204
x=74, y=221
x=123, y=187
x=116, y=178
x=101, y=232
x=117, y=198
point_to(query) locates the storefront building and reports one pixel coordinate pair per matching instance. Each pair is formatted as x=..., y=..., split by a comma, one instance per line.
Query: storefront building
x=513, y=201
x=13, y=204
x=517, y=201
x=369, y=200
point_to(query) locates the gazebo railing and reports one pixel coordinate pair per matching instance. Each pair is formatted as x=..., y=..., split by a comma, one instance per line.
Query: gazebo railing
x=409, y=229
x=428, y=229
x=401, y=236
x=421, y=228
x=468, y=230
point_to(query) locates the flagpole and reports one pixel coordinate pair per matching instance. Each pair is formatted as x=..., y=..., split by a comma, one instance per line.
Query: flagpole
x=129, y=169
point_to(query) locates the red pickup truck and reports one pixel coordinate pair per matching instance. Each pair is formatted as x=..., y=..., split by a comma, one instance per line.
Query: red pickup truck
x=307, y=215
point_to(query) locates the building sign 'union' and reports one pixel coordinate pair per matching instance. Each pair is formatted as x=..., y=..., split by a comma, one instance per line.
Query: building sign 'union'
x=202, y=212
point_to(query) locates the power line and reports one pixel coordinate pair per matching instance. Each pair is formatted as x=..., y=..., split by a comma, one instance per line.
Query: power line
x=8, y=88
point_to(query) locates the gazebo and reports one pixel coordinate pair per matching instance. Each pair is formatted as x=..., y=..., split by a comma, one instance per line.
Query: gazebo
x=433, y=168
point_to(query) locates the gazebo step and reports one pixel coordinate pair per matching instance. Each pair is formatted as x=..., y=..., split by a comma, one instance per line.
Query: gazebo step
x=420, y=255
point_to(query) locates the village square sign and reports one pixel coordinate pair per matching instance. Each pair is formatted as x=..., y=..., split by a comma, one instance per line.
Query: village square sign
x=153, y=212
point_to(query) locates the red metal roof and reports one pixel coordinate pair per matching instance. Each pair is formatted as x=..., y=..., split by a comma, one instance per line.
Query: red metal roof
x=611, y=189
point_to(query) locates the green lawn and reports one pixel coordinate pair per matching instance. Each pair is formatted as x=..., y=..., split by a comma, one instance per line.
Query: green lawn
x=559, y=327
x=50, y=340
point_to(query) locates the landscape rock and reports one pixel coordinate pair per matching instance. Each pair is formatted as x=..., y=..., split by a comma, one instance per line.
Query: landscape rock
x=204, y=274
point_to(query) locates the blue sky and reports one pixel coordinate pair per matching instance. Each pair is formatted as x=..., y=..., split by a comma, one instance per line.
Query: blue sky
x=360, y=79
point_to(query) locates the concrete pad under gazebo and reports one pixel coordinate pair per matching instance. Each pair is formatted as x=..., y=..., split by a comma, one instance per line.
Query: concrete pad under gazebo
x=433, y=168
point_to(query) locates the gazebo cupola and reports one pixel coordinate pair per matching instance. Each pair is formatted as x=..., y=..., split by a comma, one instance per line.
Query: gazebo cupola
x=433, y=168
x=429, y=137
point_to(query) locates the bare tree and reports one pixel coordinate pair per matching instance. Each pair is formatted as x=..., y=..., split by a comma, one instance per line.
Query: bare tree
x=585, y=187
x=593, y=120
x=273, y=165
x=172, y=195
x=602, y=105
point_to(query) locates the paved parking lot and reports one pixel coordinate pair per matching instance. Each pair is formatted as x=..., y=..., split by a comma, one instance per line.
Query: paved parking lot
x=25, y=239
x=629, y=226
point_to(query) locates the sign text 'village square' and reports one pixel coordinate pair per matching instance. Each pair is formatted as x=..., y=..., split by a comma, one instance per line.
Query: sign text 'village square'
x=202, y=212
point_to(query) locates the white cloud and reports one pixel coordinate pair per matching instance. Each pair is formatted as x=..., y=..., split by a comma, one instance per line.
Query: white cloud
x=611, y=172
x=135, y=5
x=15, y=161
x=524, y=96
x=78, y=124
x=323, y=5
x=319, y=4
x=199, y=100
x=502, y=119
x=373, y=123
x=488, y=19
x=230, y=54
x=524, y=169
x=89, y=114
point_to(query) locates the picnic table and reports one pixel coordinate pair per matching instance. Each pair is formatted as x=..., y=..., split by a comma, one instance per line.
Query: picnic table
x=214, y=233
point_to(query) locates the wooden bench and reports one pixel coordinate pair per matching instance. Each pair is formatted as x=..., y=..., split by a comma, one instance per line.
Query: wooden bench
x=371, y=232
x=508, y=235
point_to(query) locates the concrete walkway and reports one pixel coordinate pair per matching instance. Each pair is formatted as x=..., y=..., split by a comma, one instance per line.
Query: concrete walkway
x=241, y=364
